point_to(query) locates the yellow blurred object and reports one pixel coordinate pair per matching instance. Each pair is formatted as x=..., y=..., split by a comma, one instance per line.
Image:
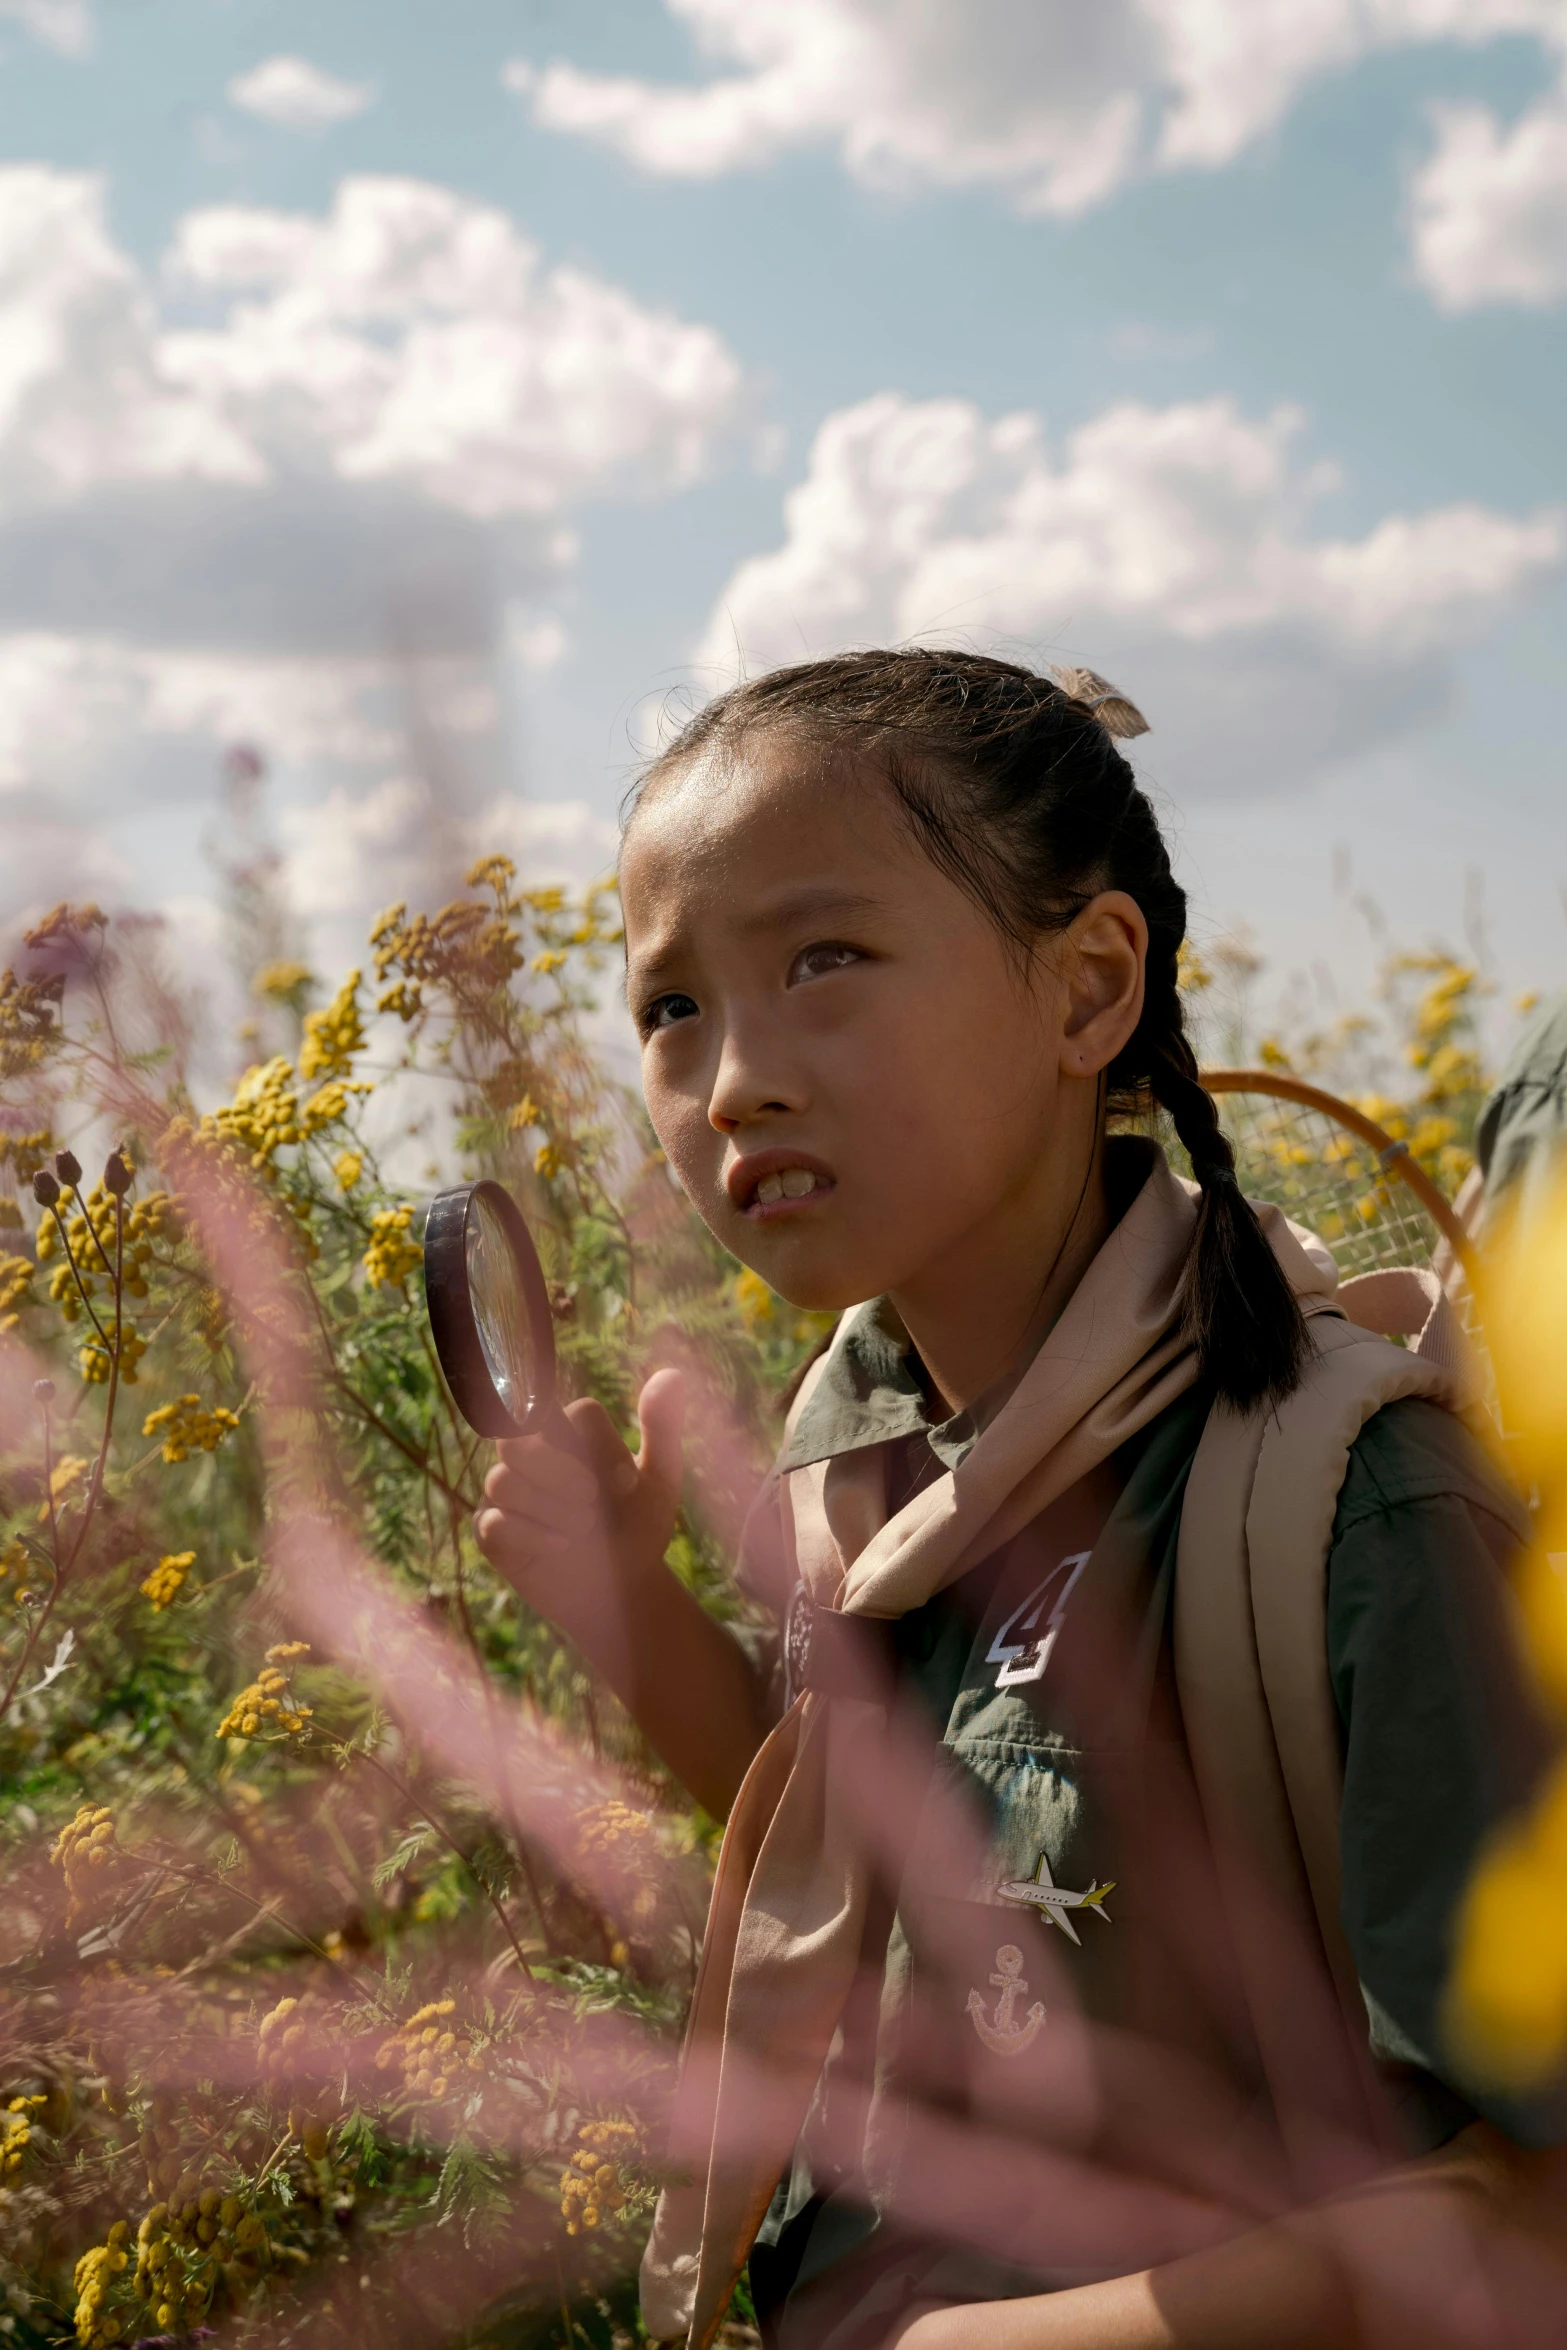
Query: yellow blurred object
x=1524, y=1308
x=1507, y=1999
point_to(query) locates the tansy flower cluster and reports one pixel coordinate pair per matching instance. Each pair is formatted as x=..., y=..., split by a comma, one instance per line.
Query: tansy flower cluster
x=393, y=1252
x=178, y=2245
x=427, y=2050
x=167, y=1579
x=263, y=1117
x=593, y=2186
x=16, y=1276
x=94, y=2280
x=84, y=1848
x=615, y=1826
x=269, y=1699
x=93, y=1239
x=333, y=1036
x=16, y=2131
x=280, y=2049
x=186, y=1426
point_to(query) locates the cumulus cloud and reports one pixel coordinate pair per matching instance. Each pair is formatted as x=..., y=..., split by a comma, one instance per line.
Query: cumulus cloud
x=1488, y=209
x=63, y=25
x=310, y=487
x=367, y=450
x=382, y=409
x=1053, y=105
x=1171, y=547
x=295, y=95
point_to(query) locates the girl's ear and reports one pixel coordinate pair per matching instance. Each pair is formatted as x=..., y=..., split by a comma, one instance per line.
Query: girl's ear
x=1104, y=957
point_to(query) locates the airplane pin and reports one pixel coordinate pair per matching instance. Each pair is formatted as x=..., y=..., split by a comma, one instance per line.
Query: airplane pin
x=1053, y=1901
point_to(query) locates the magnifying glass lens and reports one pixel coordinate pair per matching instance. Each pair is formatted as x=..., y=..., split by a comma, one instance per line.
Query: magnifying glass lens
x=500, y=1313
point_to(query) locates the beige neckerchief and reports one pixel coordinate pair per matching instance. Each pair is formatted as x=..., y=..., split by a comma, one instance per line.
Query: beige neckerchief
x=789, y=1900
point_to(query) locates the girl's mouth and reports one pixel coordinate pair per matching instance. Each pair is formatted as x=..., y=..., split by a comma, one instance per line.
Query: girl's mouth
x=775, y=1183
x=785, y=1187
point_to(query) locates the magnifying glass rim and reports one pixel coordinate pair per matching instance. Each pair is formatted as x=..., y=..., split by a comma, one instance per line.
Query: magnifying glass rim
x=450, y=1302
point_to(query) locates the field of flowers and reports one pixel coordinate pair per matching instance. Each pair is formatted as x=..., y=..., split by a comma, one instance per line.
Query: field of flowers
x=346, y=1924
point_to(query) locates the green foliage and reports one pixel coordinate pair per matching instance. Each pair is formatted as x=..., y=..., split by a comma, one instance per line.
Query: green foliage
x=284, y=1990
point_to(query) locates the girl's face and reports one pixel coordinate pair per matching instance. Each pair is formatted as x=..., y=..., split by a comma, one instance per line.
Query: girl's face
x=846, y=1067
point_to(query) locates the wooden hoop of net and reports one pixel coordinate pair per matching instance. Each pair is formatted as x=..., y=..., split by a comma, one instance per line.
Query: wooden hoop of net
x=1333, y=1169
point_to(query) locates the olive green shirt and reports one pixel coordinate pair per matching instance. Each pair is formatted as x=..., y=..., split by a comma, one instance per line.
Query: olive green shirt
x=1441, y=1738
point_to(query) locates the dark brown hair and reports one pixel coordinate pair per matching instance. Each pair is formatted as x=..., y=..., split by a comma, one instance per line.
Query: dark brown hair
x=1018, y=792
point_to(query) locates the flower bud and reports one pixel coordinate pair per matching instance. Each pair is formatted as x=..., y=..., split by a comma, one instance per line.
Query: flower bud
x=117, y=1176
x=68, y=1167
x=45, y=1189
x=44, y=1390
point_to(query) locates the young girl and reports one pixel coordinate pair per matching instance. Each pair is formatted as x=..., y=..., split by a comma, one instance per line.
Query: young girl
x=1032, y=1990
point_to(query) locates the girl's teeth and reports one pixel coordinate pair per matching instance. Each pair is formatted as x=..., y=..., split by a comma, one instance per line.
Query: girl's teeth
x=793, y=1183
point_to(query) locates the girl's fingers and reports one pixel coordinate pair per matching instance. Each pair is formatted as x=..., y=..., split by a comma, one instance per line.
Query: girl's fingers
x=509, y=1540
x=530, y=1496
x=547, y=1467
x=611, y=1466
x=661, y=1409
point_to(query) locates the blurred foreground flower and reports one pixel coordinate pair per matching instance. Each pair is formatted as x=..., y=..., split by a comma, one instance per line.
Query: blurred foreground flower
x=1508, y=1997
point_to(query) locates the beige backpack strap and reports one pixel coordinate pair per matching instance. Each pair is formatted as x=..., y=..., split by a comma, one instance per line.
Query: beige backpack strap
x=1261, y=1725
x=1289, y=1527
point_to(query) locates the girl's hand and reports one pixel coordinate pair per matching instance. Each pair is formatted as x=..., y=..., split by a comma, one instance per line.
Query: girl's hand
x=577, y=1535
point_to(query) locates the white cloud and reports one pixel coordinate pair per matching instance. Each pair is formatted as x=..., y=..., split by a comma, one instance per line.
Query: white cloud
x=1488, y=209
x=374, y=437
x=1054, y=105
x=412, y=335
x=298, y=96
x=1170, y=547
x=64, y=25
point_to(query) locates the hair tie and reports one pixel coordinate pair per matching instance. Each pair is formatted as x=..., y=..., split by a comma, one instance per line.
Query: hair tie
x=1105, y=703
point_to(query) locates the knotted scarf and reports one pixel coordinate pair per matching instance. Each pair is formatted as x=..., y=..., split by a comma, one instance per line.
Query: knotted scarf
x=793, y=1883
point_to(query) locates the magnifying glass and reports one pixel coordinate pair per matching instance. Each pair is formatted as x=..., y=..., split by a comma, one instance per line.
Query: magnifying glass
x=490, y=1314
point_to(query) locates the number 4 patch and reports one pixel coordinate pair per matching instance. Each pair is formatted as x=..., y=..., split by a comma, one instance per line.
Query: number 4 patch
x=1021, y=1649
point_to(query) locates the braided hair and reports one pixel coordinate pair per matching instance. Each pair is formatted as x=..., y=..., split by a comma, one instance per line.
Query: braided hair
x=1013, y=784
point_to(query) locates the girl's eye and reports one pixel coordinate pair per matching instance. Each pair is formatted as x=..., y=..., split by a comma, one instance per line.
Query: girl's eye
x=665, y=1010
x=814, y=962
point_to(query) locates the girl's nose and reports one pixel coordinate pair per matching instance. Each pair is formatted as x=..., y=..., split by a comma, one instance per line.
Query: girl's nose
x=745, y=1089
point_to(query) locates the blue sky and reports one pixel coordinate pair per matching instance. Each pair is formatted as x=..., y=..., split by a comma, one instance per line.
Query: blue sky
x=312, y=531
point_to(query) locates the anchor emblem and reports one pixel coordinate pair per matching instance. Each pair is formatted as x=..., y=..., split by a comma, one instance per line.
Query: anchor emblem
x=1002, y=2035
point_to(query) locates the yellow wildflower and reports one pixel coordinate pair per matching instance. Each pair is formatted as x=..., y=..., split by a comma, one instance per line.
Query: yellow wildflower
x=428, y=2050
x=1192, y=974
x=269, y=1703
x=280, y=981
x=64, y=1478
x=489, y=873
x=95, y=1360
x=755, y=1300
x=96, y=2273
x=551, y=959
x=167, y=1579
x=16, y=1274
x=84, y=1849
x=185, y=1426
x=334, y=1035
x=16, y=2131
x=594, y=2182
x=547, y=1160
x=348, y=1166
x=393, y=1252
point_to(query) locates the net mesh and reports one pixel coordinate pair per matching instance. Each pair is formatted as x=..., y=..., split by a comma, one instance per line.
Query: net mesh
x=1325, y=1176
